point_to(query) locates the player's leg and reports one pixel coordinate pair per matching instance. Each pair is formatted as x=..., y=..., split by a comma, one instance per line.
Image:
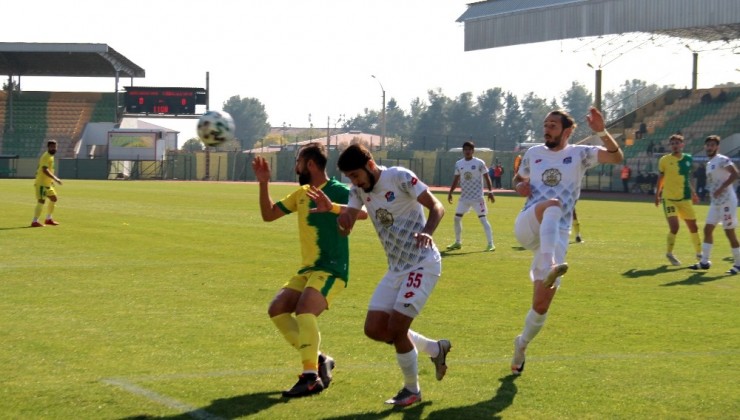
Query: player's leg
x=686, y=212
x=462, y=207
x=51, y=194
x=40, y=193
x=671, y=213
x=729, y=222
x=482, y=211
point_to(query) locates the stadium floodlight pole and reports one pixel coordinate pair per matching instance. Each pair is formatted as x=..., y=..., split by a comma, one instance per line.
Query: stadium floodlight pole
x=382, y=114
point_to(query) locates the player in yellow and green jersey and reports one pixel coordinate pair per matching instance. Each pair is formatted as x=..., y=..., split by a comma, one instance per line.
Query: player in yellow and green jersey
x=44, y=185
x=677, y=195
x=324, y=263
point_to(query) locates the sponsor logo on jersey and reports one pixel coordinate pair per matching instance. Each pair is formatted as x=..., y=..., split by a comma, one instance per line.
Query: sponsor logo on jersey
x=414, y=181
x=568, y=160
x=390, y=196
x=538, y=161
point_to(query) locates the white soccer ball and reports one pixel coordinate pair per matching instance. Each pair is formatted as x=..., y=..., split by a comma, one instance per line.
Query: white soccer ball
x=215, y=128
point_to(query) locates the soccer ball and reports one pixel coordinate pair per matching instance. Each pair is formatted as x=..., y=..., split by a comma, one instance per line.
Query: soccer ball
x=215, y=128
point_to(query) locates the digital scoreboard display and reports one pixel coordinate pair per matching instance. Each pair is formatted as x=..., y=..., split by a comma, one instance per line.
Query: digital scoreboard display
x=167, y=101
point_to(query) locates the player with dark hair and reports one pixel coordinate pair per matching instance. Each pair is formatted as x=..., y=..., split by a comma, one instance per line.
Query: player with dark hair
x=721, y=175
x=470, y=172
x=677, y=195
x=550, y=177
x=44, y=186
x=324, y=269
x=395, y=200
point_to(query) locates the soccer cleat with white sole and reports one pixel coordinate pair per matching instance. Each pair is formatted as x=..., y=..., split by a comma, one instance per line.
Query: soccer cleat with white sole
x=439, y=361
x=735, y=269
x=326, y=365
x=556, y=271
x=404, y=398
x=701, y=266
x=517, y=362
x=455, y=246
x=673, y=259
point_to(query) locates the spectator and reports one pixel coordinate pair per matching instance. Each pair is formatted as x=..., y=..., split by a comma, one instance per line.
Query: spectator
x=498, y=172
x=650, y=149
x=625, y=176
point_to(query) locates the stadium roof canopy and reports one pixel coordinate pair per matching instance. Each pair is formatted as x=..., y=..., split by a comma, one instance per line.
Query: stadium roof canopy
x=499, y=23
x=65, y=60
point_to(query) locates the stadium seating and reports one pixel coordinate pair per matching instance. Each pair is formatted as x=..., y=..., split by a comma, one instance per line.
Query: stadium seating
x=38, y=116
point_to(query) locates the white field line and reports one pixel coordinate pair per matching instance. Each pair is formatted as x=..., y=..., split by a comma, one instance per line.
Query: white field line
x=130, y=385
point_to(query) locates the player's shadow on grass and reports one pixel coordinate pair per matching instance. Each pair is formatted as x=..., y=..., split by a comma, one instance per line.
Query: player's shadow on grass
x=695, y=279
x=16, y=227
x=226, y=408
x=414, y=412
x=636, y=274
x=501, y=400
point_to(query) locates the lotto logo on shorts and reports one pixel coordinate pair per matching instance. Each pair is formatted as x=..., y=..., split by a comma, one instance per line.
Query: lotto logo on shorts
x=409, y=295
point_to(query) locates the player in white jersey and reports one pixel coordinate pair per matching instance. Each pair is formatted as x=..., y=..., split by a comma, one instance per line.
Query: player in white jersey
x=470, y=172
x=395, y=200
x=721, y=175
x=550, y=177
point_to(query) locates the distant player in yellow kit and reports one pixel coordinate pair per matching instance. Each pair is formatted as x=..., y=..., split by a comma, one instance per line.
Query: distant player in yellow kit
x=677, y=195
x=44, y=186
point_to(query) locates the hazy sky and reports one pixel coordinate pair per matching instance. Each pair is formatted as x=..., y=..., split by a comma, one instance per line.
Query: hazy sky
x=301, y=57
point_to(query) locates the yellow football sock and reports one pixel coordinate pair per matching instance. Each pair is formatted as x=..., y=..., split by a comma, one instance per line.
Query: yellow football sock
x=37, y=210
x=288, y=326
x=309, y=338
x=697, y=242
x=52, y=204
x=671, y=241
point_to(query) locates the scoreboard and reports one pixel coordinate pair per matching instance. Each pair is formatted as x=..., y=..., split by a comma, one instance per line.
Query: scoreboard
x=161, y=100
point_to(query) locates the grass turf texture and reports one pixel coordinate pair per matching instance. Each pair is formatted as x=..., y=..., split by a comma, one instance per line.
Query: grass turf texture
x=150, y=299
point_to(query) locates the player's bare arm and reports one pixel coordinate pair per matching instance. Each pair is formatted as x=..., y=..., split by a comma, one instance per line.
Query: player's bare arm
x=51, y=175
x=455, y=181
x=324, y=203
x=489, y=184
x=268, y=208
x=436, y=212
x=611, y=153
x=347, y=219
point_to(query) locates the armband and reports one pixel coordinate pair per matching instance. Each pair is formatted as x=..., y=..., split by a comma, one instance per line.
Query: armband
x=602, y=133
x=336, y=208
x=613, y=151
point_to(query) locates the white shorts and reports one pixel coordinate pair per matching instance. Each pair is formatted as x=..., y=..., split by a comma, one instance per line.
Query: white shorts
x=406, y=292
x=479, y=206
x=527, y=231
x=726, y=215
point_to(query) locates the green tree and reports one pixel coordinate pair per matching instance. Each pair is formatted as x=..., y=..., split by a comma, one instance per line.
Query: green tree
x=577, y=100
x=250, y=119
x=489, y=113
x=462, y=117
x=534, y=110
x=514, y=124
x=192, y=145
x=432, y=128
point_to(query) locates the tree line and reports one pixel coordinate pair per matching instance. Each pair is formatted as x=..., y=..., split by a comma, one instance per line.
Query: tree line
x=495, y=118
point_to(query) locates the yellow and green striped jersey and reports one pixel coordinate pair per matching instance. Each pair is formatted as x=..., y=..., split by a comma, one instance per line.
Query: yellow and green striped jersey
x=322, y=247
x=676, y=176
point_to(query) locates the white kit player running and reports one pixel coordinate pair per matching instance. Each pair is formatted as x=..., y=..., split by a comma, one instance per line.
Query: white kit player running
x=550, y=177
x=469, y=174
x=395, y=200
x=721, y=176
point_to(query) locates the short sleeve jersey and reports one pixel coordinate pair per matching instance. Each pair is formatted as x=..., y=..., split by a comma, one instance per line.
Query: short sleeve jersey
x=471, y=178
x=322, y=247
x=676, y=173
x=557, y=175
x=46, y=160
x=717, y=174
x=397, y=216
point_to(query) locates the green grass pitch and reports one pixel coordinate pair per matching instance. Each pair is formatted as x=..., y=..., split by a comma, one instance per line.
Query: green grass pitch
x=150, y=300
